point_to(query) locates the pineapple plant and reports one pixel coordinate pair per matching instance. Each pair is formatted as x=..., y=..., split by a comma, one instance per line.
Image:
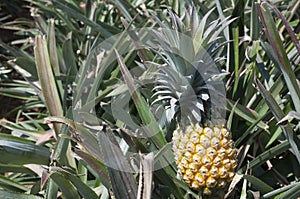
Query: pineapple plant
x=204, y=151
x=41, y=161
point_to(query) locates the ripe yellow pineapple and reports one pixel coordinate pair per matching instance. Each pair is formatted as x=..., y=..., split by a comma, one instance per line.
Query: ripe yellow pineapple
x=205, y=157
x=186, y=87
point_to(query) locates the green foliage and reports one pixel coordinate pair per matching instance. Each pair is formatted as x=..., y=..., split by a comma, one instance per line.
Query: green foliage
x=71, y=154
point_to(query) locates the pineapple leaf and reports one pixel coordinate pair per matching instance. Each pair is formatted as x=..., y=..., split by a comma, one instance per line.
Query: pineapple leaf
x=143, y=109
x=20, y=151
x=8, y=194
x=47, y=79
x=120, y=171
x=258, y=184
x=278, y=113
x=84, y=190
x=281, y=55
x=65, y=185
x=97, y=166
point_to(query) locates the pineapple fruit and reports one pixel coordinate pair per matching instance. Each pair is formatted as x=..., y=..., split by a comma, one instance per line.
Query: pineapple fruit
x=205, y=155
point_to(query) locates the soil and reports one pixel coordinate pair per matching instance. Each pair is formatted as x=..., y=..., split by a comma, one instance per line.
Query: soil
x=8, y=104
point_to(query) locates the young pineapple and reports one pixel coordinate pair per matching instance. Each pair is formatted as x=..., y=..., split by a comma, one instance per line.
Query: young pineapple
x=205, y=156
x=203, y=148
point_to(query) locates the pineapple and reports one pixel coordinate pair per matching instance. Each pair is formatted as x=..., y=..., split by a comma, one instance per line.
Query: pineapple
x=205, y=157
x=204, y=151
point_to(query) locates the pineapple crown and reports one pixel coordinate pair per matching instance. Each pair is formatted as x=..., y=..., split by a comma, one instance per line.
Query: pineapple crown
x=189, y=84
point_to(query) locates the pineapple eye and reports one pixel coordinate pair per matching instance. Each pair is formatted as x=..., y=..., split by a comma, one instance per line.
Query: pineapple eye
x=194, y=137
x=195, y=185
x=181, y=146
x=200, y=150
x=178, y=154
x=178, y=157
x=217, y=132
x=186, y=178
x=206, y=161
x=184, y=139
x=222, y=153
x=226, y=163
x=211, y=152
x=189, y=129
x=211, y=182
x=231, y=152
x=203, y=171
x=215, y=142
x=199, y=179
x=198, y=128
x=233, y=163
x=204, y=141
x=223, y=172
x=217, y=161
x=225, y=133
x=190, y=147
x=196, y=158
x=230, y=144
x=189, y=173
x=224, y=142
x=214, y=171
x=188, y=155
x=192, y=167
x=181, y=172
x=208, y=132
x=184, y=162
x=181, y=166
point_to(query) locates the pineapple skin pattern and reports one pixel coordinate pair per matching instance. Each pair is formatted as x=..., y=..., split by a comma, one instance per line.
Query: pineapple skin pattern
x=205, y=156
